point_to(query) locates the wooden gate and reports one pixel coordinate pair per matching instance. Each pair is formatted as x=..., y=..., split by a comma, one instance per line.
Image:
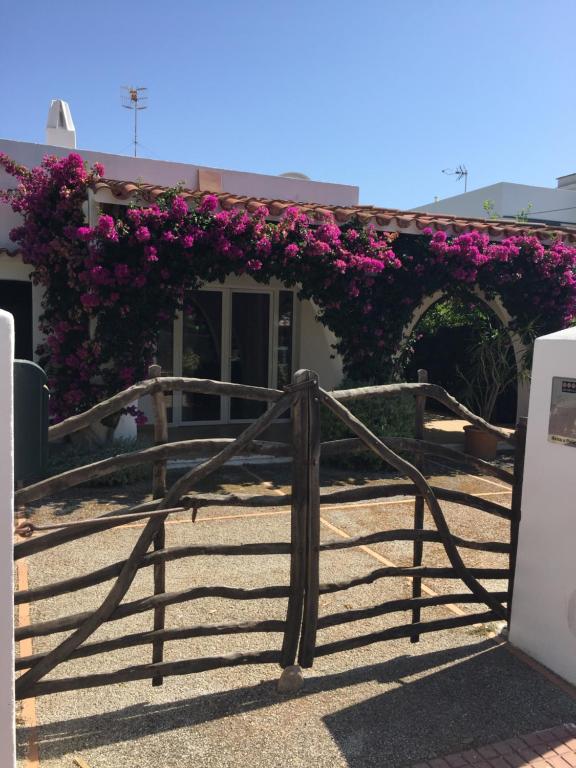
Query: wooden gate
x=303, y=398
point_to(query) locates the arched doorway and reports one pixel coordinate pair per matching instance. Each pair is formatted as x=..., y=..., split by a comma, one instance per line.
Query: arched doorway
x=465, y=343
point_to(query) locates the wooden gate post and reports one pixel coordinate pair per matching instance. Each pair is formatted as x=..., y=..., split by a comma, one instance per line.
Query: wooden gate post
x=158, y=492
x=420, y=402
x=312, y=482
x=302, y=609
x=516, y=506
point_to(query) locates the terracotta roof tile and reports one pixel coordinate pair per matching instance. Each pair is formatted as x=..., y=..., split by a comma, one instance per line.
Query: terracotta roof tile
x=390, y=219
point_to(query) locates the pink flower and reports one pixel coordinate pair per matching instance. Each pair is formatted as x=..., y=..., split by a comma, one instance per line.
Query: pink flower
x=292, y=250
x=142, y=234
x=151, y=253
x=209, y=204
x=84, y=233
x=107, y=227
x=179, y=207
x=263, y=246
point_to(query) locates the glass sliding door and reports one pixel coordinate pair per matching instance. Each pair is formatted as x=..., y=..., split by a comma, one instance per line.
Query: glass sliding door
x=249, y=349
x=202, y=353
x=228, y=334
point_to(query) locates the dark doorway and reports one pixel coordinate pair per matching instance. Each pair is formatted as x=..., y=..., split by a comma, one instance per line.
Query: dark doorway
x=465, y=349
x=16, y=298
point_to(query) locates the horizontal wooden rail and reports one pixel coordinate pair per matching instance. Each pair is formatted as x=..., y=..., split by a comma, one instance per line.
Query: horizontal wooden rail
x=349, y=444
x=434, y=391
x=146, y=638
x=273, y=548
x=146, y=671
x=423, y=571
x=152, y=386
x=411, y=534
x=209, y=387
x=162, y=555
x=79, y=529
x=70, y=531
x=184, y=449
x=405, y=630
x=392, y=606
x=52, y=626
x=349, y=495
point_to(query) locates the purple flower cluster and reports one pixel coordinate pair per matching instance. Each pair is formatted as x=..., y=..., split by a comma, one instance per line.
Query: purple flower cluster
x=125, y=279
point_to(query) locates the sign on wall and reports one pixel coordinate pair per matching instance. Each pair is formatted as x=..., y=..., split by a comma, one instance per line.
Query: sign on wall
x=562, y=424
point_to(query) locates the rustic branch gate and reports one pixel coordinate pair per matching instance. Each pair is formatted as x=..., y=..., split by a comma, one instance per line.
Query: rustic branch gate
x=304, y=398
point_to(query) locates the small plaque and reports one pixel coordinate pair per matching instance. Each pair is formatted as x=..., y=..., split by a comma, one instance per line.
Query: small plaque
x=562, y=424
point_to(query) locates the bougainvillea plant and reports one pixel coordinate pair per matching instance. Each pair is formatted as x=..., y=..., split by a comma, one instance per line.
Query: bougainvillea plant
x=110, y=288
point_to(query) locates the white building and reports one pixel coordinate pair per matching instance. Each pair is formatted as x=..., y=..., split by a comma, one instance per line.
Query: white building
x=248, y=326
x=245, y=326
x=549, y=205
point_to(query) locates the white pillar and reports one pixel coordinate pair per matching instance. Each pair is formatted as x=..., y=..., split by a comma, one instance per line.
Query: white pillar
x=7, y=710
x=543, y=620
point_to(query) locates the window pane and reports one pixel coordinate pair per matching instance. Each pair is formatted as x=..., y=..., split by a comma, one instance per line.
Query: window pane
x=201, y=353
x=249, y=353
x=285, y=332
x=165, y=357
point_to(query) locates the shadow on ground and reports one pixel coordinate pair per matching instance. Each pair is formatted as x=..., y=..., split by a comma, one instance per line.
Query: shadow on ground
x=431, y=704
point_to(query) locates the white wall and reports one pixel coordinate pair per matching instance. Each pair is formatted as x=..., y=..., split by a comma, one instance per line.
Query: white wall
x=544, y=607
x=316, y=351
x=7, y=713
x=157, y=172
x=164, y=173
x=548, y=203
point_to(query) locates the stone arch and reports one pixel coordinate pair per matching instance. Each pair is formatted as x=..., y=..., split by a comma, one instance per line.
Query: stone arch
x=496, y=305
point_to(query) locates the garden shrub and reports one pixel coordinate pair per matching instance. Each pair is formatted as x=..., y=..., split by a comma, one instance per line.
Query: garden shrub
x=386, y=417
x=69, y=455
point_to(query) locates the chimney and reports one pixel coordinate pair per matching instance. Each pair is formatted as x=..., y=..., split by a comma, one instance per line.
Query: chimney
x=60, y=131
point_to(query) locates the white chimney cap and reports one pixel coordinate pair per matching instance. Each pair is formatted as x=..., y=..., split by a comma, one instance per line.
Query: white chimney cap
x=60, y=130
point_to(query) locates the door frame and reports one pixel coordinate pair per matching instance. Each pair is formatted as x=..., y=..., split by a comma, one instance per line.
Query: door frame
x=240, y=284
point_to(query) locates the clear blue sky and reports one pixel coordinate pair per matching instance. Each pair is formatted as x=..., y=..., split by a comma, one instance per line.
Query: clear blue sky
x=379, y=93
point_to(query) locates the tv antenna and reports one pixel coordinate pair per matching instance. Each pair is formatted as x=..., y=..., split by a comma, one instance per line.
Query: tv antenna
x=461, y=172
x=134, y=99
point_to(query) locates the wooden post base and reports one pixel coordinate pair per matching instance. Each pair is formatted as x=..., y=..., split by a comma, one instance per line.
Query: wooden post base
x=291, y=680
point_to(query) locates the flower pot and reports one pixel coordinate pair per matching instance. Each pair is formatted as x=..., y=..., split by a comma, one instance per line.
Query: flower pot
x=479, y=443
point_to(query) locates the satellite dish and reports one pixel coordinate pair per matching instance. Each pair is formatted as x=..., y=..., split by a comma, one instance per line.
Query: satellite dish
x=295, y=175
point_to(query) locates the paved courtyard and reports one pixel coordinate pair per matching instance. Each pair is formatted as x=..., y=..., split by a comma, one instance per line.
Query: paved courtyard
x=389, y=705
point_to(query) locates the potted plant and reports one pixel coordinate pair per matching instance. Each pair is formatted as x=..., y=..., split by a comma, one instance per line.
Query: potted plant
x=493, y=368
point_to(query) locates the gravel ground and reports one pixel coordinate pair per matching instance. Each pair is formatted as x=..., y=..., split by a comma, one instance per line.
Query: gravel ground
x=387, y=705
